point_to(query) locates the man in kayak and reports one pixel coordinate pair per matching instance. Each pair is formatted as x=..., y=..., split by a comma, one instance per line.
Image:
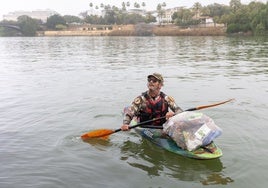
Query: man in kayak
x=153, y=103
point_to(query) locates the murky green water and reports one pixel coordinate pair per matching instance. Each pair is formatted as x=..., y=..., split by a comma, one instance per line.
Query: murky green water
x=54, y=89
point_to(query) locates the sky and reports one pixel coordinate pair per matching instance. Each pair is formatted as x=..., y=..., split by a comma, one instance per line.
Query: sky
x=74, y=7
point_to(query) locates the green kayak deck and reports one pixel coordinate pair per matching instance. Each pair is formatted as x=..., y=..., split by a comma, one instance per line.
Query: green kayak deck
x=210, y=151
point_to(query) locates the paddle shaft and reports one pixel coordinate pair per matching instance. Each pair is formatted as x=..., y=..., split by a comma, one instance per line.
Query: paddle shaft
x=208, y=106
x=155, y=119
x=142, y=123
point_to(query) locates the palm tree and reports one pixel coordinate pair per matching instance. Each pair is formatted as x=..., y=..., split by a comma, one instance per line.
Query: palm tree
x=123, y=6
x=160, y=13
x=136, y=5
x=197, y=7
x=143, y=4
x=128, y=4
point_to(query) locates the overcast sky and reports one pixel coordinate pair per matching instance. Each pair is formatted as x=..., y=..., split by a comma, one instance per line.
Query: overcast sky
x=74, y=7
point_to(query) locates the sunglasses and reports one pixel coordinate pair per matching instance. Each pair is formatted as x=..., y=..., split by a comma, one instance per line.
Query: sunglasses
x=152, y=79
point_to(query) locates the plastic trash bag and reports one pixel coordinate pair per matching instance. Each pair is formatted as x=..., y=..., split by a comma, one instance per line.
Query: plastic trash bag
x=191, y=130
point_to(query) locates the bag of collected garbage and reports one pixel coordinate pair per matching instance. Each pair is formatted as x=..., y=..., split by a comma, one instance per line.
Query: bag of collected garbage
x=191, y=130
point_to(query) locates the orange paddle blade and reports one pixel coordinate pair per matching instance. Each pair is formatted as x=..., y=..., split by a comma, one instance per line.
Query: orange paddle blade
x=97, y=134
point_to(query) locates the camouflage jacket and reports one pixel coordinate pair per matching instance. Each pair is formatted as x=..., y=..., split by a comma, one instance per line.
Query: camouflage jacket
x=140, y=103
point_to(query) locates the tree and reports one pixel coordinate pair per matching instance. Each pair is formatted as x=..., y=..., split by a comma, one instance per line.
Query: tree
x=258, y=16
x=110, y=17
x=197, y=7
x=94, y=19
x=150, y=18
x=28, y=25
x=164, y=4
x=128, y=4
x=216, y=10
x=124, y=6
x=83, y=14
x=205, y=11
x=137, y=5
x=55, y=20
x=184, y=18
x=235, y=5
x=160, y=13
x=72, y=19
x=143, y=4
x=260, y=29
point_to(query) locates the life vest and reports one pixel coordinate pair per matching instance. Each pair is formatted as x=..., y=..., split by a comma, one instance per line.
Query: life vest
x=153, y=109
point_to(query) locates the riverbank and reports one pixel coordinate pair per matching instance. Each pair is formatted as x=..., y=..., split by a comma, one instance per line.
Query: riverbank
x=137, y=30
x=198, y=31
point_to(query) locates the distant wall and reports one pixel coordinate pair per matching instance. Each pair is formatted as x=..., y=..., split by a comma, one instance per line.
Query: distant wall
x=76, y=33
x=90, y=30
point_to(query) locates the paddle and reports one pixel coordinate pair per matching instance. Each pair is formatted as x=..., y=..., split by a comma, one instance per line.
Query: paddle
x=104, y=133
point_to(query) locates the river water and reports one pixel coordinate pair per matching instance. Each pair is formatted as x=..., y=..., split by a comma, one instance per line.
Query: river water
x=54, y=89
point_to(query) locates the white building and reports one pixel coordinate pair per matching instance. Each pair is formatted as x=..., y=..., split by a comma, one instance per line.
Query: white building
x=38, y=14
x=166, y=16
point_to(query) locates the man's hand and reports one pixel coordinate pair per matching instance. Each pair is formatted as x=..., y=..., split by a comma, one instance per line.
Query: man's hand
x=169, y=115
x=125, y=127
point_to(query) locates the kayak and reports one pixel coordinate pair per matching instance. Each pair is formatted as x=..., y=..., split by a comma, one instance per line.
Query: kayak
x=156, y=136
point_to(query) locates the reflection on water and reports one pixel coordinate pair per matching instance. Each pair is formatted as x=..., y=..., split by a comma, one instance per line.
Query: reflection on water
x=99, y=143
x=216, y=178
x=156, y=162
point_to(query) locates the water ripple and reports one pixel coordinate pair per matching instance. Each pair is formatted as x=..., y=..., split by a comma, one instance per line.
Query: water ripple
x=53, y=89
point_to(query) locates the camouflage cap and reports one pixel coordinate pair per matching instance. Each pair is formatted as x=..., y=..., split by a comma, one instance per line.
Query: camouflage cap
x=157, y=76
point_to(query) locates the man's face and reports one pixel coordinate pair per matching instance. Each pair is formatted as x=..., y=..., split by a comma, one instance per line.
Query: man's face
x=153, y=84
